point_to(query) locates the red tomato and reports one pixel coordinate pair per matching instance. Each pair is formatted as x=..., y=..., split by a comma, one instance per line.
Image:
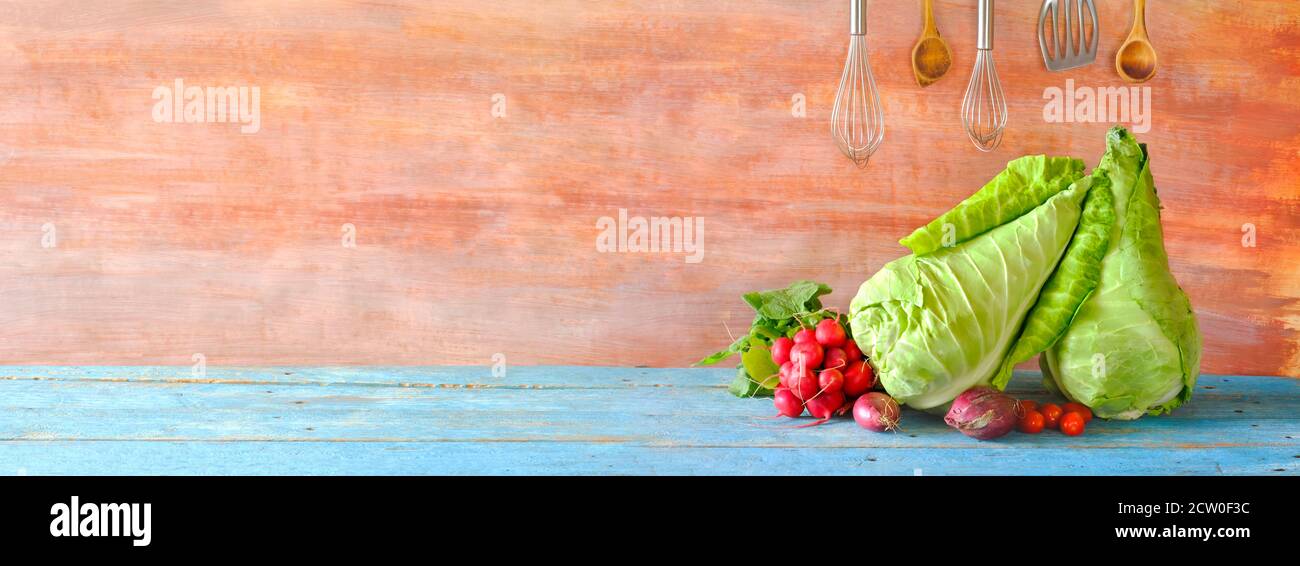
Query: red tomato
x=1031, y=422
x=1051, y=414
x=1080, y=408
x=852, y=351
x=1027, y=405
x=1072, y=424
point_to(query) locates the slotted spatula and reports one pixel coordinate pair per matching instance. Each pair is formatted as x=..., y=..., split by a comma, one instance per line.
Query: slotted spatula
x=1068, y=37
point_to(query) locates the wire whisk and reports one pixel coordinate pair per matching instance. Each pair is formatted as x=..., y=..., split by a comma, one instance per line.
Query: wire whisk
x=984, y=109
x=857, y=121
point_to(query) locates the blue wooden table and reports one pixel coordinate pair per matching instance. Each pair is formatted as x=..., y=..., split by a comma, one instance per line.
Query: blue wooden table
x=572, y=420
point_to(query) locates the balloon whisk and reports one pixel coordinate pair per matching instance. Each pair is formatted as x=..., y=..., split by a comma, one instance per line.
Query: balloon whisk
x=857, y=121
x=984, y=109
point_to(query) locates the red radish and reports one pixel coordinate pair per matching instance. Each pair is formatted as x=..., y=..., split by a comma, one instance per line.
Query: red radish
x=781, y=350
x=982, y=413
x=803, y=383
x=804, y=335
x=835, y=359
x=824, y=406
x=830, y=333
x=786, y=403
x=807, y=353
x=787, y=368
x=859, y=378
x=852, y=351
x=846, y=407
x=830, y=381
x=876, y=411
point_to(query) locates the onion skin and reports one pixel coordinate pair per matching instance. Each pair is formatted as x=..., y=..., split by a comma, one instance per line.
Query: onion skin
x=877, y=412
x=982, y=413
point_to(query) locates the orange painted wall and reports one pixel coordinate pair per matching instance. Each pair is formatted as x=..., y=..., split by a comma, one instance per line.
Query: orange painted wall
x=476, y=235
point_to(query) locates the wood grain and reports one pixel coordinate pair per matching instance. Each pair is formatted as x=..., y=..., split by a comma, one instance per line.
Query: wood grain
x=573, y=420
x=476, y=235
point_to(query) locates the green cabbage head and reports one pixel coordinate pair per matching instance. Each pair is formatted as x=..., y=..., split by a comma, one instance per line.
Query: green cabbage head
x=1132, y=347
x=944, y=319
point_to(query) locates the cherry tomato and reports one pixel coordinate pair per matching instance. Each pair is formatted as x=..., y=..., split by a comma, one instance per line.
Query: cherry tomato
x=1080, y=408
x=1027, y=405
x=1072, y=424
x=1051, y=414
x=1031, y=423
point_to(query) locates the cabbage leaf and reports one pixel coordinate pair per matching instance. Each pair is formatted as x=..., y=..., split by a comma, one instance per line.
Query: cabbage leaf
x=1025, y=184
x=1075, y=279
x=943, y=319
x=1133, y=346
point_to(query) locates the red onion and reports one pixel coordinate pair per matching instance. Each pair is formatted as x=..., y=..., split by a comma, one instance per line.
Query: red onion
x=876, y=411
x=983, y=413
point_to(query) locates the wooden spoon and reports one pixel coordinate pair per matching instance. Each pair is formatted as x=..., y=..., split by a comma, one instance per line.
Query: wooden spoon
x=931, y=56
x=1136, y=60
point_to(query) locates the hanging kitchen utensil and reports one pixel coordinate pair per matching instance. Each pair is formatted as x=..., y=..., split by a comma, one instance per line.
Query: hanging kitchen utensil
x=984, y=109
x=1136, y=60
x=931, y=57
x=1066, y=37
x=857, y=121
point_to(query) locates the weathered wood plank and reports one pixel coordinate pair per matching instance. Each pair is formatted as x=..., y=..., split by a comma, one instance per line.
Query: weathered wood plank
x=652, y=416
x=623, y=420
x=413, y=376
x=475, y=234
x=556, y=458
x=523, y=377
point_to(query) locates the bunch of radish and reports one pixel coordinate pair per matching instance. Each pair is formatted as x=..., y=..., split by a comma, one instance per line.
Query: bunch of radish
x=822, y=372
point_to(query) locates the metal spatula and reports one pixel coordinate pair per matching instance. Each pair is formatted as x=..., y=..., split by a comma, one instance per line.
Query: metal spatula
x=1068, y=37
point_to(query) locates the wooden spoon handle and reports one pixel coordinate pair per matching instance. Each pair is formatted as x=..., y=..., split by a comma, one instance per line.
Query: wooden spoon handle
x=1139, y=18
x=927, y=15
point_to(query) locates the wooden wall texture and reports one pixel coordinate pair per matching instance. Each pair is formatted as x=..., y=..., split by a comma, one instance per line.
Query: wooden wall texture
x=476, y=235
